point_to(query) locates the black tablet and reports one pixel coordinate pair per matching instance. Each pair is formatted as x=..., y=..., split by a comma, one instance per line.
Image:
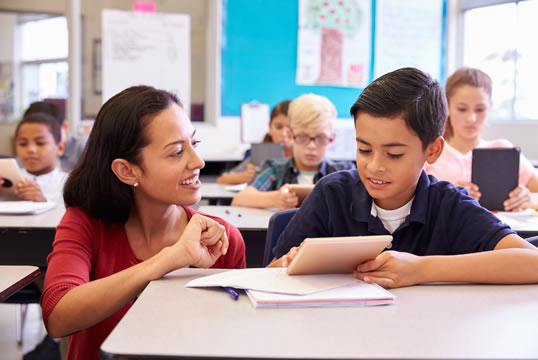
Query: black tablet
x=496, y=172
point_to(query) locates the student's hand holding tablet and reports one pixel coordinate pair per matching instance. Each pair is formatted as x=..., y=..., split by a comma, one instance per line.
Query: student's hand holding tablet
x=29, y=190
x=472, y=189
x=392, y=269
x=518, y=199
x=286, y=199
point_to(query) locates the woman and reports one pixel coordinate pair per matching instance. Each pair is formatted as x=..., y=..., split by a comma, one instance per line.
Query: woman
x=468, y=94
x=127, y=220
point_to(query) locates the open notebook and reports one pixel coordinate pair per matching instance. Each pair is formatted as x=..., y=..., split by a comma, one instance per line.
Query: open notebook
x=273, y=287
x=25, y=207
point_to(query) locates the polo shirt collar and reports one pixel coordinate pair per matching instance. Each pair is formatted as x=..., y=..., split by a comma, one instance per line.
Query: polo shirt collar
x=361, y=203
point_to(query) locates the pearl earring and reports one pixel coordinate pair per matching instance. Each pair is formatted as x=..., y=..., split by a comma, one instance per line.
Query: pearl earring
x=135, y=184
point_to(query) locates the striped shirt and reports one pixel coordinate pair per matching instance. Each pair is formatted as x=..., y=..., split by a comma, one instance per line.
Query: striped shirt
x=277, y=172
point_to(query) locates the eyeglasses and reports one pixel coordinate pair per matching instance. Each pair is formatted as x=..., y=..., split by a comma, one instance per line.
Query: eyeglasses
x=320, y=140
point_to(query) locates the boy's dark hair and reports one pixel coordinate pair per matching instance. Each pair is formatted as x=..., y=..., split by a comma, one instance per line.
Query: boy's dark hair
x=47, y=108
x=43, y=119
x=410, y=93
x=119, y=131
x=279, y=109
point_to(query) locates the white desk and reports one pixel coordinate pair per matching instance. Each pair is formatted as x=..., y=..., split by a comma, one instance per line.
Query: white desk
x=27, y=239
x=428, y=321
x=242, y=218
x=525, y=223
x=216, y=193
x=13, y=278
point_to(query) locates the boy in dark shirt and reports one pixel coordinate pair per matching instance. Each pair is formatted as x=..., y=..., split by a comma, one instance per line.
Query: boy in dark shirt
x=399, y=120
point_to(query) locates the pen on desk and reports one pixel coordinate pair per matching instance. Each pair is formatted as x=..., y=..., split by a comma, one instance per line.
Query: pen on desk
x=234, y=294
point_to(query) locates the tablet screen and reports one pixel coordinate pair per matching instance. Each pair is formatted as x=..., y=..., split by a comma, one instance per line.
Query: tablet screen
x=335, y=255
x=496, y=172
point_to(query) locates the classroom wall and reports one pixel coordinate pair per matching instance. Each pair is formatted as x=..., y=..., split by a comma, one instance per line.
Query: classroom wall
x=221, y=139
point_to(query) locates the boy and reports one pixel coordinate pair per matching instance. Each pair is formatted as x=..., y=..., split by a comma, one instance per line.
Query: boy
x=399, y=119
x=38, y=146
x=311, y=122
x=74, y=146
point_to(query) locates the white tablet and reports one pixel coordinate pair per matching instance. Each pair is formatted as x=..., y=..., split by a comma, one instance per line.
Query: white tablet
x=11, y=174
x=336, y=255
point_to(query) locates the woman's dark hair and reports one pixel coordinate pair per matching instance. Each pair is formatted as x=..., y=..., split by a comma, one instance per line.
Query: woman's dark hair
x=118, y=132
x=43, y=119
x=410, y=93
x=280, y=109
x=465, y=76
x=47, y=108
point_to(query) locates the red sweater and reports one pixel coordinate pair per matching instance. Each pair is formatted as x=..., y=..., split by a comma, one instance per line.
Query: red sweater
x=87, y=249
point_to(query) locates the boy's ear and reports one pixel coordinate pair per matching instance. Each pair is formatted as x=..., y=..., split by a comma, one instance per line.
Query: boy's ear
x=434, y=149
x=333, y=137
x=61, y=148
x=124, y=171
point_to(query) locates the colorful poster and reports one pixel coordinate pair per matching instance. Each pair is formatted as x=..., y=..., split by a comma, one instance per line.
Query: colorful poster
x=334, y=42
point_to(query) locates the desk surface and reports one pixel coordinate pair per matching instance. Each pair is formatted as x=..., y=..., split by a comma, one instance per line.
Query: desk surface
x=14, y=277
x=242, y=218
x=428, y=321
x=215, y=191
x=48, y=219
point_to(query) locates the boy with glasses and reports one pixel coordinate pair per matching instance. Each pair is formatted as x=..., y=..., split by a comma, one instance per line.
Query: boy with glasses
x=311, y=122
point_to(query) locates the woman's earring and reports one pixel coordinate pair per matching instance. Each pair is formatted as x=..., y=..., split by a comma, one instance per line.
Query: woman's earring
x=135, y=184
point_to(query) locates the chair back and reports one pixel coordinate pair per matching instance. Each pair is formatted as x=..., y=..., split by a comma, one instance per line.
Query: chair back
x=277, y=224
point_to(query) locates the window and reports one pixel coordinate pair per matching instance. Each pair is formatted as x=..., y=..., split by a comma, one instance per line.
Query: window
x=500, y=40
x=43, y=59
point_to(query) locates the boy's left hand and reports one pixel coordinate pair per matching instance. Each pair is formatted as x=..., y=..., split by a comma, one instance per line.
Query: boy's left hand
x=390, y=269
x=29, y=190
x=518, y=199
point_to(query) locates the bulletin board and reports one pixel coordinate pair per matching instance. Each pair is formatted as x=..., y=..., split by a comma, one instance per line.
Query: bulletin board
x=259, y=49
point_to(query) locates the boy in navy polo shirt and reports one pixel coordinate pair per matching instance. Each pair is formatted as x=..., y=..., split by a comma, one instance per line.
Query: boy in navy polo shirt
x=399, y=120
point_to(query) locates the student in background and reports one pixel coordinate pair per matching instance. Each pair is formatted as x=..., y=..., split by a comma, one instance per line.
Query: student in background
x=311, y=122
x=74, y=146
x=278, y=133
x=440, y=234
x=127, y=220
x=468, y=93
x=38, y=146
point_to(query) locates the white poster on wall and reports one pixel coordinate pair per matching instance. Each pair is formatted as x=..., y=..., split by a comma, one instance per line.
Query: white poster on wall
x=146, y=49
x=334, y=42
x=408, y=33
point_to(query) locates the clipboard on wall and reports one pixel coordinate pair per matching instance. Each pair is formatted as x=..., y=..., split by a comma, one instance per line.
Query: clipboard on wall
x=254, y=122
x=496, y=172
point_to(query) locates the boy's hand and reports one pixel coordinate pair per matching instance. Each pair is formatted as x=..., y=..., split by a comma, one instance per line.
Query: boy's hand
x=390, y=269
x=29, y=190
x=286, y=199
x=285, y=260
x=204, y=240
x=518, y=199
x=471, y=188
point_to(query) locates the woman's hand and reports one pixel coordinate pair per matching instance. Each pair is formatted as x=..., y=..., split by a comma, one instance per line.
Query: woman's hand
x=391, y=269
x=518, y=199
x=204, y=240
x=471, y=188
x=29, y=190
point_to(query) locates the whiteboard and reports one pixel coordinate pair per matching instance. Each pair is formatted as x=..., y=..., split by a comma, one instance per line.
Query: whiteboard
x=146, y=49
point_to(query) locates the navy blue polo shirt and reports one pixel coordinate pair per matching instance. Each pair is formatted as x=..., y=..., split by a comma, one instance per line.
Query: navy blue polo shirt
x=444, y=220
